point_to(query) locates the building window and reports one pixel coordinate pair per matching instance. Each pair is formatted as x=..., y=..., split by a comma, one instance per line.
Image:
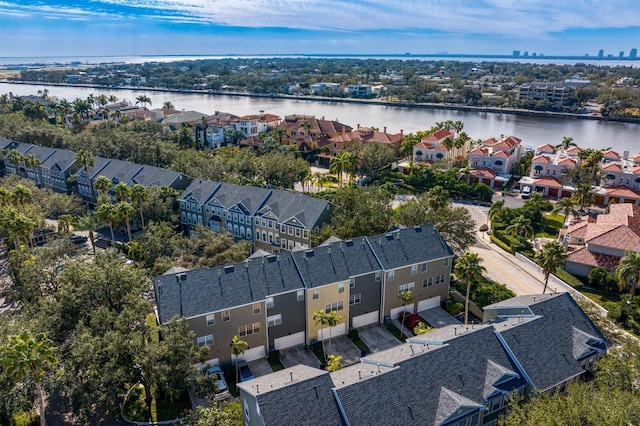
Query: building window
x=354, y=299
x=274, y=320
x=341, y=288
x=211, y=319
x=414, y=269
x=424, y=267
x=378, y=276
x=257, y=308
x=440, y=279
x=300, y=295
x=352, y=283
x=406, y=287
x=226, y=316
x=246, y=330
x=336, y=306
x=205, y=340
x=392, y=275
x=315, y=294
x=269, y=302
x=428, y=282
x=446, y=262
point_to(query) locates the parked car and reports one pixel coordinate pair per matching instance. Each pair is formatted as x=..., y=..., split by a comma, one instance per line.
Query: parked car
x=410, y=320
x=244, y=370
x=526, y=192
x=222, y=391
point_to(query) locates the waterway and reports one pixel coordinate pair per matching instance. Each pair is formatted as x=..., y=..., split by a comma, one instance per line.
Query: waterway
x=533, y=131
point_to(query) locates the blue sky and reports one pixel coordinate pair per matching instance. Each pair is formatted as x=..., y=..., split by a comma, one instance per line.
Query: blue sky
x=46, y=28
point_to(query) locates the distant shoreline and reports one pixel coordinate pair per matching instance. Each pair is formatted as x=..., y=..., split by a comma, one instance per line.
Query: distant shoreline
x=454, y=107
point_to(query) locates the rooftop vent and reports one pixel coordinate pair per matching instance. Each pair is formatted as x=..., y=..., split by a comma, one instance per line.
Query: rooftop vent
x=228, y=269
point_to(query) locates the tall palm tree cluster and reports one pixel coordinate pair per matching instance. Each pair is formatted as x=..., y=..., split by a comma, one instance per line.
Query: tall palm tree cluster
x=81, y=110
x=14, y=219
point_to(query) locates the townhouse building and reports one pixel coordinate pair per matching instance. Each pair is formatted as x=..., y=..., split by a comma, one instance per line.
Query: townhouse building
x=548, y=173
x=56, y=170
x=457, y=375
x=273, y=220
x=275, y=296
x=620, y=181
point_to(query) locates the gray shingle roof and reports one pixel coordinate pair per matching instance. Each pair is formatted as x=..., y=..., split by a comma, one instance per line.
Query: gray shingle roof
x=551, y=346
x=200, y=189
x=122, y=171
x=475, y=362
x=305, y=401
x=409, y=246
x=201, y=291
x=40, y=152
x=61, y=158
x=155, y=176
x=291, y=207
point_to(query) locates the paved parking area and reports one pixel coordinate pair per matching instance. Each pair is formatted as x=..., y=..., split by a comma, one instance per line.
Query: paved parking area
x=378, y=338
x=342, y=345
x=438, y=317
x=296, y=355
x=260, y=367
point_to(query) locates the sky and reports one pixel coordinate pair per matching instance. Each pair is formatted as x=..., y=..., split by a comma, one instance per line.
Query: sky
x=47, y=28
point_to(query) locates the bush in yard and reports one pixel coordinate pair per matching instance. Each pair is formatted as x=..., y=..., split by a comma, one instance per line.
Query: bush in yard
x=600, y=277
x=454, y=308
x=614, y=310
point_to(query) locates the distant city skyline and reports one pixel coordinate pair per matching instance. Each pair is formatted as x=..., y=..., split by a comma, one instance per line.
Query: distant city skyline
x=33, y=28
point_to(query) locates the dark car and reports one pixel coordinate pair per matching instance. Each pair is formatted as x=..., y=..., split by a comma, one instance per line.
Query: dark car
x=410, y=320
x=245, y=371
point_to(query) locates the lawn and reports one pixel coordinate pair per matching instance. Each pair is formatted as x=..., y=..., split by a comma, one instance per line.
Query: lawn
x=353, y=335
x=396, y=332
x=274, y=361
x=600, y=297
x=552, y=224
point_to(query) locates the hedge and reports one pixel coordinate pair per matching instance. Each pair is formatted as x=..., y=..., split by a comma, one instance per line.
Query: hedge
x=495, y=240
x=568, y=278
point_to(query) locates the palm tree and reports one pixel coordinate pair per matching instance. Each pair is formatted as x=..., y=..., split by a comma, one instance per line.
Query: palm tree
x=139, y=194
x=106, y=214
x=168, y=105
x=238, y=347
x=333, y=319
x=407, y=298
x=321, y=319
x=143, y=100
x=27, y=355
x=628, y=271
x=550, y=258
x=449, y=143
x=469, y=269
x=520, y=226
x=495, y=210
x=64, y=224
x=437, y=198
x=566, y=207
x=22, y=195
x=32, y=162
x=583, y=195
x=333, y=362
x=340, y=163
x=125, y=212
x=91, y=224
x=103, y=185
x=566, y=143
x=15, y=157
x=85, y=159
x=122, y=191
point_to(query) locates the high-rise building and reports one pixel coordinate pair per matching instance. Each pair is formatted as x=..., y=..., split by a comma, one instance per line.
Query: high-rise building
x=516, y=53
x=633, y=53
x=600, y=54
x=621, y=55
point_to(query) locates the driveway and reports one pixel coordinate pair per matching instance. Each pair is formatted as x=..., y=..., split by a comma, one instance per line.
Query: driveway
x=378, y=338
x=296, y=355
x=342, y=345
x=438, y=317
x=260, y=367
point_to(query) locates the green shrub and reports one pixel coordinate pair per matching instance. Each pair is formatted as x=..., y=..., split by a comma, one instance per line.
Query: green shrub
x=495, y=240
x=600, y=277
x=568, y=278
x=615, y=310
x=454, y=308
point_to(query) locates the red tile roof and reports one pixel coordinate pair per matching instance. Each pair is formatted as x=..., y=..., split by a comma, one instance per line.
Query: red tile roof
x=612, y=167
x=548, y=182
x=584, y=256
x=437, y=136
x=610, y=154
x=541, y=159
x=547, y=148
x=574, y=150
x=567, y=162
x=484, y=173
x=623, y=191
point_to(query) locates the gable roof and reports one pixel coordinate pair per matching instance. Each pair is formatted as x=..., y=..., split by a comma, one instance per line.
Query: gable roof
x=121, y=171
x=546, y=346
x=157, y=176
x=62, y=159
x=409, y=246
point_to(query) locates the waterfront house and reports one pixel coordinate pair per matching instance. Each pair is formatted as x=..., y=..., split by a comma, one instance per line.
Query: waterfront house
x=557, y=94
x=253, y=125
x=364, y=135
x=309, y=133
x=430, y=147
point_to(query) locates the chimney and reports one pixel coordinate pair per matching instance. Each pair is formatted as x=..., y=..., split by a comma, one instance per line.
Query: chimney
x=385, y=129
x=344, y=130
x=401, y=131
x=358, y=125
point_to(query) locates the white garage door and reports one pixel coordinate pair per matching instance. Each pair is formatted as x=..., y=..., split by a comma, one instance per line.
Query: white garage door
x=365, y=319
x=433, y=302
x=289, y=341
x=253, y=354
x=338, y=330
x=395, y=312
